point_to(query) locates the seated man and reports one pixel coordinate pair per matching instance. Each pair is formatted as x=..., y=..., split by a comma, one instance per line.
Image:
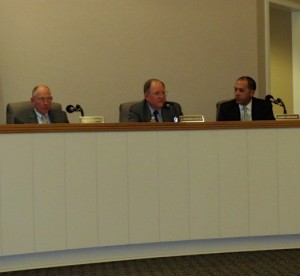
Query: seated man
x=41, y=112
x=245, y=107
x=154, y=107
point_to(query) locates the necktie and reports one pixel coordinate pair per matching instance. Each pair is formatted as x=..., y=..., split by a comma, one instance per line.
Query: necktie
x=245, y=116
x=155, y=113
x=44, y=119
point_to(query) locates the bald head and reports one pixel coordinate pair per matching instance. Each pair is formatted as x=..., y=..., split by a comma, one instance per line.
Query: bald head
x=41, y=99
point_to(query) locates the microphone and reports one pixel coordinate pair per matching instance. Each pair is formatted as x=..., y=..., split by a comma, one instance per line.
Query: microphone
x=272, y=100
x=70, y=109
x=269, y=98
x=278, y=101
x=170, y=105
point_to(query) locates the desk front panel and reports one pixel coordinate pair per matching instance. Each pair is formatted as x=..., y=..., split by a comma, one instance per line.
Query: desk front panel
x=61, y=191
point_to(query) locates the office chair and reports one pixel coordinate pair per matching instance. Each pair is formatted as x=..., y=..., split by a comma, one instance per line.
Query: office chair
x=13, y=109
x=218, y=104
x=124, y=110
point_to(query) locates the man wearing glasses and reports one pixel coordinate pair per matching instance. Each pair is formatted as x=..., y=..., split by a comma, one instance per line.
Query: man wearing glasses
x=154, y=107
x=41, y=112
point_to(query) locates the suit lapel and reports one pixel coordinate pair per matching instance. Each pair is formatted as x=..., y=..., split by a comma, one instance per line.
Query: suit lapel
x=51, y=117
x=237, y=113
x=165, y=114
x=146, y=112
x=33, y=118
x=255, y=111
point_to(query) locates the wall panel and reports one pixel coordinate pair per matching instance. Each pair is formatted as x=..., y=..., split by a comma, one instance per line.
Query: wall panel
x=17, y=195
x=288, y=178
x=173, y=186
x=143, y=189
x=109, y=193
x=263, y=182
x=81, y=190
x=48, y=152
x=204, y=185
x=113, y=197
x=234, y=183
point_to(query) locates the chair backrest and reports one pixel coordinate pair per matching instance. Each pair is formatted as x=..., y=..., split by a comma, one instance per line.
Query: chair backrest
x=218, y=104
x=13, y=109
x=124, y=110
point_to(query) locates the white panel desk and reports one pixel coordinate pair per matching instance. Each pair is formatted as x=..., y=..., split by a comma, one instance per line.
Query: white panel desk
x=83, y=193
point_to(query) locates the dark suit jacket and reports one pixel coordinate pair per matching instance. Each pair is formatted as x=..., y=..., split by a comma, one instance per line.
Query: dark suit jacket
x=261, y=110
x=29, y=117
x=140, y=112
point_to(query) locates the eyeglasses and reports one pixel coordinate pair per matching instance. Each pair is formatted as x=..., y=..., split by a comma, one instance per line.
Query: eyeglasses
x=44, y=99
x=158, y=93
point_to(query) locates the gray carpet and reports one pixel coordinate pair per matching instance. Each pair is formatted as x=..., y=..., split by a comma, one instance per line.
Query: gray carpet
x=275, y=262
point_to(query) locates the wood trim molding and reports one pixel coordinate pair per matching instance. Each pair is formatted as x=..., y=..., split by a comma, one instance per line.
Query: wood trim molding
x=52, y=128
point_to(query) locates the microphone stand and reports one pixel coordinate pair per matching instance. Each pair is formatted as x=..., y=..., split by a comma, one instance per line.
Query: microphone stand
x=280, y=102
x=79, y=108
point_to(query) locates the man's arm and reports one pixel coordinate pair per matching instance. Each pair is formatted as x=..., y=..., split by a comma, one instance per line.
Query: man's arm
x=133, y=116
x=269, y=111
x=65, y=118
x=221, y=116
x=178, y=108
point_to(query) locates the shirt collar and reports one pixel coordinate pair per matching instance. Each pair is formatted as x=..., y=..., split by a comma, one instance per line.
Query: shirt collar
x=39, y=114
x=152, y=110
x=249, y=106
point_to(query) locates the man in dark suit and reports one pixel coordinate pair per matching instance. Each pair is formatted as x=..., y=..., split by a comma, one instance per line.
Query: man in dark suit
x=41, y=112
x=154, y=107
x=245, y=106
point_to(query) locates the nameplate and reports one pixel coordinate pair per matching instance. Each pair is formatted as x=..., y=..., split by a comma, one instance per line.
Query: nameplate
x=91, y=119
x=191, y=118
x=287, y=116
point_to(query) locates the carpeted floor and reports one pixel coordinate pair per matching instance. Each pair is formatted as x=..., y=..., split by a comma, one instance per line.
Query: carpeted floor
x=275, y=262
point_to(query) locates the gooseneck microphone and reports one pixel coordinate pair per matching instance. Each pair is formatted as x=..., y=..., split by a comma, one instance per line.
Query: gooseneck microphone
x=70, y=109
x=278, y=101
x=269, y=98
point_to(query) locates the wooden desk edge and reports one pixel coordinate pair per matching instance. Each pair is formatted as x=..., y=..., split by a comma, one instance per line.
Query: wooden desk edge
x=104, y=127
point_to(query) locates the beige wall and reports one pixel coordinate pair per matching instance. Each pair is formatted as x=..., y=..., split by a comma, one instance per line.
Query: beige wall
x=98, y=53
x=296, y=59
x=281, y=60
